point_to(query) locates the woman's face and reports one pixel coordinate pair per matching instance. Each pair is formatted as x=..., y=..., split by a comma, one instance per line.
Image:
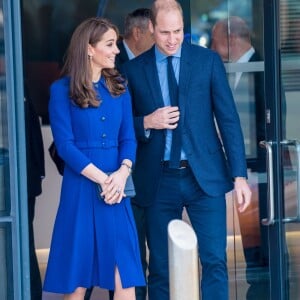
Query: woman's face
x=103, y=54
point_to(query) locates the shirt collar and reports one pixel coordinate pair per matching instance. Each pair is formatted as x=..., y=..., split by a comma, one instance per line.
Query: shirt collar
x=246, y=56
x=160, y=56
x=129, y=52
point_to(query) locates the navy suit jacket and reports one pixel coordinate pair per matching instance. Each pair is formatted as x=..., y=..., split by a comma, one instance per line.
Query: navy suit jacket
x=122, y=57
x=204, y=97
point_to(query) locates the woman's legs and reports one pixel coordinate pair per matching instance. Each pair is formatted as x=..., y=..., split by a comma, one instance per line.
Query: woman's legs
x=121, y=293
x=78, y=294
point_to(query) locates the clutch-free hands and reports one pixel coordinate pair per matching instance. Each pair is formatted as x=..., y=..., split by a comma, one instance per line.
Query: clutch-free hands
x=113, y=187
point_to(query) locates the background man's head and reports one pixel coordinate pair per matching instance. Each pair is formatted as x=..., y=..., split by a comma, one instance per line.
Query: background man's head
x=136, y=30
x=231, y=38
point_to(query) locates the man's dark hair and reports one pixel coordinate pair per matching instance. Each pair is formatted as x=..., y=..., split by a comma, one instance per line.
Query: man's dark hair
x=138, y=18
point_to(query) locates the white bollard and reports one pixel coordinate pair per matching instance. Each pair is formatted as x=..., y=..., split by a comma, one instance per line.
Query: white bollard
x=183, y=261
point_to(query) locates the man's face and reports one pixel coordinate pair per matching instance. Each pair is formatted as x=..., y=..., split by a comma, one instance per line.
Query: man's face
x=168, y=31
x=220, y=43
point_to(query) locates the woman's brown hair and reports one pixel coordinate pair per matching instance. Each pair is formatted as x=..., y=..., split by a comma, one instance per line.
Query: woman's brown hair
x=77, y=65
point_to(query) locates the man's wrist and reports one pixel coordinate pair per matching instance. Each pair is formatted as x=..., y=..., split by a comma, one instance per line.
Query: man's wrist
x=146, y=124
x=237, y=178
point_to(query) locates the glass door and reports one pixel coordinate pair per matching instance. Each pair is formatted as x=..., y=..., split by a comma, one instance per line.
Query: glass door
x=259, y=43
x=289, y=66
x=282, y=91
x=235, y=30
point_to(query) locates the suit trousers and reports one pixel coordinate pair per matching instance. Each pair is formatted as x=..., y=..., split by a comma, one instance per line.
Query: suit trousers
x=178, y=188
x=139, y=214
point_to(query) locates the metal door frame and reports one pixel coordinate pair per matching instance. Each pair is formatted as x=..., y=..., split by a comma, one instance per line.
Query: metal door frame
x=16, y=220
x=277, y=256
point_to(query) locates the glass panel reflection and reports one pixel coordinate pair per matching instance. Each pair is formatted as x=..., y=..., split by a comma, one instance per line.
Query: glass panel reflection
x=290, y=76
x=4, y=170
x=6, y=275
x=3, y=265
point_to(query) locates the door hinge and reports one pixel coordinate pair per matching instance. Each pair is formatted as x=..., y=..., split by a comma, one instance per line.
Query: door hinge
x=268, y=116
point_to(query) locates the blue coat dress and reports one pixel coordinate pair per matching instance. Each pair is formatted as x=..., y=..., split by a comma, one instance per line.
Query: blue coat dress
x=91, y=238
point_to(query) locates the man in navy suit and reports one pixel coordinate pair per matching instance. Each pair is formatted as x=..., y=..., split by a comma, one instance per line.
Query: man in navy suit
x=208, y=168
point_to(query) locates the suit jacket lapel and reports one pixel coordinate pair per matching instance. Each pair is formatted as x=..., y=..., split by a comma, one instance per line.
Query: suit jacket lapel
x=184, y=77
x=150, y=70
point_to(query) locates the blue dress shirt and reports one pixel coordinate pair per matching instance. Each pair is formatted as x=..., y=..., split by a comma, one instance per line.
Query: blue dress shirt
x=161, y=64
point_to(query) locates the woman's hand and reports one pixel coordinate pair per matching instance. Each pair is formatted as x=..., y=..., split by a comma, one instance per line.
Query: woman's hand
x=113, y=186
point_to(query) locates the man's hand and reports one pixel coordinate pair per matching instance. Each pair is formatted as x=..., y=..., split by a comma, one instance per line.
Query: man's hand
x=163, y=118
x=243, y=193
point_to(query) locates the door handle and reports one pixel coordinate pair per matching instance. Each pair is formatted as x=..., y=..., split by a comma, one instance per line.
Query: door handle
x=270, y=219
x=296, y=144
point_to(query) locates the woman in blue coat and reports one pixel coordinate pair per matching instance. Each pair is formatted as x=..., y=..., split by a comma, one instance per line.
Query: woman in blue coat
x=94, y=241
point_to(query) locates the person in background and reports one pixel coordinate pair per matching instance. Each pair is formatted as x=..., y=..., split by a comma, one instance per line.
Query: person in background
x=35, y=173
x=234, y=45
x=94, y=240
x=137, y=37
x=178, y=92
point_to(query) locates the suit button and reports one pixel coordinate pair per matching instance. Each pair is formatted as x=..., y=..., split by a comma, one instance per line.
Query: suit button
x=104, y=135
x=103, y=118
